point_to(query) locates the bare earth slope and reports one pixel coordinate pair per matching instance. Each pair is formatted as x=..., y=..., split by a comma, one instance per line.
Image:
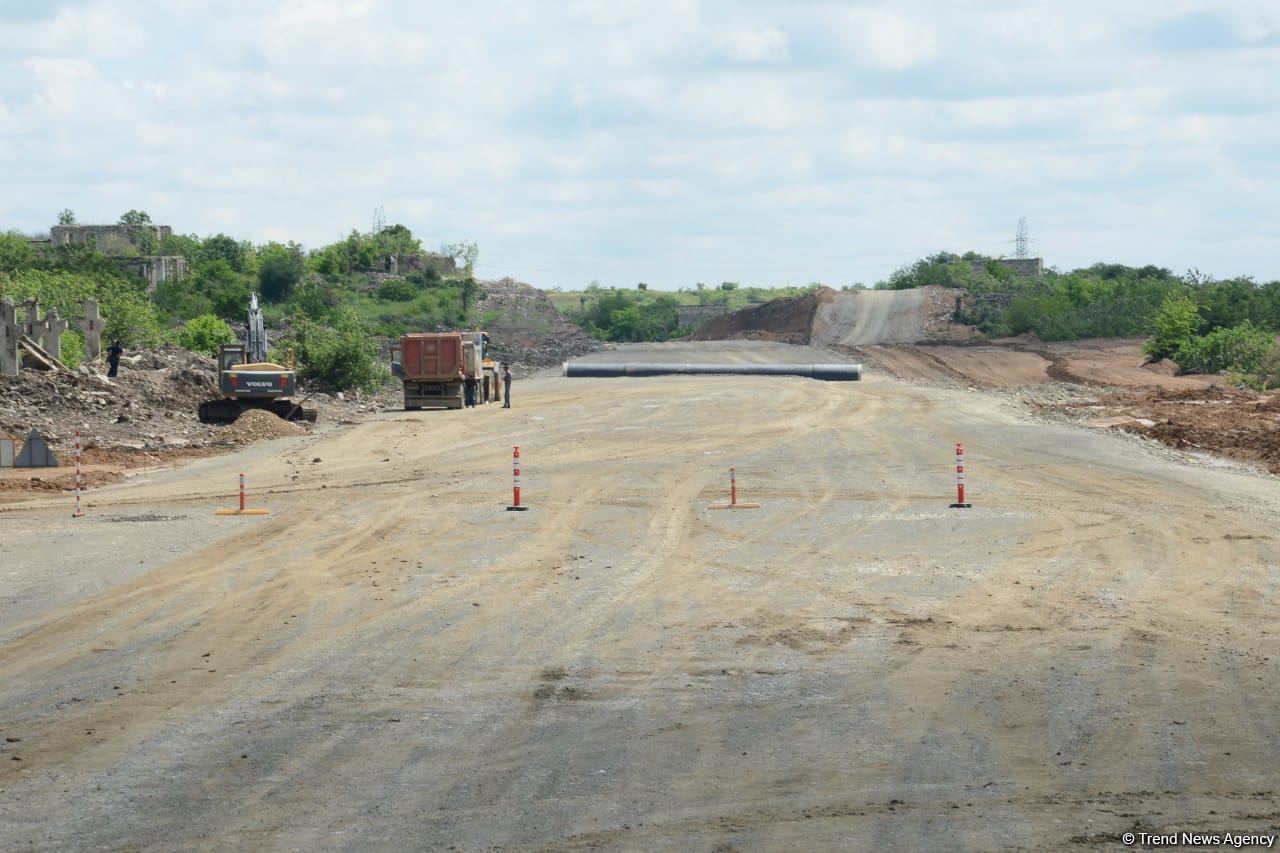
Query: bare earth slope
x=391, y=660
x=870, y=317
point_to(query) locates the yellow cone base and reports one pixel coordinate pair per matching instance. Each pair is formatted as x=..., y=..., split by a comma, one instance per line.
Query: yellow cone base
x=243, y=512
x=738, y=505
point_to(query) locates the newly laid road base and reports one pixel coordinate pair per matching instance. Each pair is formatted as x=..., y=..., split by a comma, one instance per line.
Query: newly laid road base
x=390, y=660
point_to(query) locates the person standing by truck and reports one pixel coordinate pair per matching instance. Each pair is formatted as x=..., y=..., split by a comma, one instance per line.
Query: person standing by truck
x=470, y=386
x=506, y=385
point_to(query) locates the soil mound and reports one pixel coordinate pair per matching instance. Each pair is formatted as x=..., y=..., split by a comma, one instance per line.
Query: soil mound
x=257, y=424
x=1226, y=421
x=788, y=321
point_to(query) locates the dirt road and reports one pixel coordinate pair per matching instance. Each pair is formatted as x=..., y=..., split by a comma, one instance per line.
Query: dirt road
x=393, y=661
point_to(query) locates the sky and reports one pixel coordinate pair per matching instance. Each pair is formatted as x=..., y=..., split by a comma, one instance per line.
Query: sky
x=662, y=141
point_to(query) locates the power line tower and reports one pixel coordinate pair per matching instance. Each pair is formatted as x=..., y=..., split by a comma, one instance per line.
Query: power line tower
x=1022, y=243
x=379, y=220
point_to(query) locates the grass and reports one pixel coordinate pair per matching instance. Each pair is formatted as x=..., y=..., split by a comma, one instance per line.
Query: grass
x=738, y=298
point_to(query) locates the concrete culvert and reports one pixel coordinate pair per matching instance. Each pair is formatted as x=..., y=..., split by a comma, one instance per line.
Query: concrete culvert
x=602, y=370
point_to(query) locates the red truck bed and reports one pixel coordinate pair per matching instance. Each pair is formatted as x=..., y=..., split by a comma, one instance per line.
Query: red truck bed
x=431, y=356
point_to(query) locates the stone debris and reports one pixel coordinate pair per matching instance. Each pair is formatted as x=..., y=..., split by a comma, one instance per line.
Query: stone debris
x=258, y=424
x=148, y=411
x=526, y=330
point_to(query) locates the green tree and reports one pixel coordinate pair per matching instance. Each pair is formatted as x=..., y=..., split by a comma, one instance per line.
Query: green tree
x=465, y=253
x=204, y=334
x=135, y=217
x=467, y=289
x=343, y=355
x=220, y=247
x=1173, y=326
x=315, y=300
x=397, y=240
x=225, y=289
x=180, y=301
x=279, y=271
x=67, y=217
x=16, y=252
x=180, y=245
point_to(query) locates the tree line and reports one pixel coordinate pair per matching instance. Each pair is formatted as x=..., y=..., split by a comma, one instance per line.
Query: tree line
x=1202, y=324
x=326, y=305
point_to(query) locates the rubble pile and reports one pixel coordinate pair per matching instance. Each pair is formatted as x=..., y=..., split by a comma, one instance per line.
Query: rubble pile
x=256, y=425
x=153, y=399
x=526, y=330
x=1231, y=422
x=146, y=413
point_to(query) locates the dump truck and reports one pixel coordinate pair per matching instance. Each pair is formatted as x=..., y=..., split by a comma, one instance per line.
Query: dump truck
x=249, y=381
x=434, y=366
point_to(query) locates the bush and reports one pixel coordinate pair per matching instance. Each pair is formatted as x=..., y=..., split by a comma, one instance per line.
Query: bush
x=397, y=290
x=72, y=354
x=1173, y=327
x=1267, y=375
x=341, y=356
x=205, y=334
x=1239, y=349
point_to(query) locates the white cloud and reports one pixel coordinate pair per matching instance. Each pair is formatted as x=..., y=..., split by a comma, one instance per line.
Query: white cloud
x=658, y=140
x=885, y=39
x=749, y=44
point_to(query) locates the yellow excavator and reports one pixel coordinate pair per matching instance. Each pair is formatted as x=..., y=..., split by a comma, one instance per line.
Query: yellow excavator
x=250, y=381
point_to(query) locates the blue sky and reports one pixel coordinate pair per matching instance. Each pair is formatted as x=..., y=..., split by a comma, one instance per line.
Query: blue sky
x=665, y=141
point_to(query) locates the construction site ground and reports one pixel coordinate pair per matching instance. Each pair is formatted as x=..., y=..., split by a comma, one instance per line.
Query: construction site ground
x=392, y=660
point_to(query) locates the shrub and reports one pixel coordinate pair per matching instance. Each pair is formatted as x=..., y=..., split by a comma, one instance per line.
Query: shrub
x=1174, y=325
x=1239, y=349
x=397, y=290
x=72, y=348
x=204, y=334
x=340, y=356
x=1267, y=374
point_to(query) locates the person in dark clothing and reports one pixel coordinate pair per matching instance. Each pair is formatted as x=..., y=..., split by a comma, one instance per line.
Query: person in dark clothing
x=113, y=357
x=506, y=385
x=470, y=386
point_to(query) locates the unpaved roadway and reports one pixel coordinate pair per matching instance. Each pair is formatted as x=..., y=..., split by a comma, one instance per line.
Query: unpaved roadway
x=393, y=661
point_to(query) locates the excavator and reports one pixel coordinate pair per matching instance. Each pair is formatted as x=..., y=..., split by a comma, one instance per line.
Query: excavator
x=249, y=381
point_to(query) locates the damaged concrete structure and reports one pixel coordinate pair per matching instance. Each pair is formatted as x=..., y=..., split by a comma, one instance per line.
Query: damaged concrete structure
x=131, y=246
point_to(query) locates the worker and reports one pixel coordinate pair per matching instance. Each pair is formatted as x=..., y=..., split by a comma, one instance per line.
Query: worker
x=506, y=385
x=470, y=386
x=113, y=357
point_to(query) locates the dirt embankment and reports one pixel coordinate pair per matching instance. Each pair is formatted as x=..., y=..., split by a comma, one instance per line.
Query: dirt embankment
x=525, y=328
x=788, y=321
x=841, y=318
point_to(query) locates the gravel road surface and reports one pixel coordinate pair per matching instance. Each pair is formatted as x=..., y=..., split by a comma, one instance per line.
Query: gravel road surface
x=391, y=660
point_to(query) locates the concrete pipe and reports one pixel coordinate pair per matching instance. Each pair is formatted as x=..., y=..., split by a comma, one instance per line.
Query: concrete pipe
x=600, y=370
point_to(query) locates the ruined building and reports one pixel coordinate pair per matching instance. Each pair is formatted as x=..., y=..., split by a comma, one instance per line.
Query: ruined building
x=132, y=246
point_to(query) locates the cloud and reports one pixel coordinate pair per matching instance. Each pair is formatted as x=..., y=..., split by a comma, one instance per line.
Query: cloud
x=752, y=45
x=884, y=39
x=661, y=140
x=90, y=30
